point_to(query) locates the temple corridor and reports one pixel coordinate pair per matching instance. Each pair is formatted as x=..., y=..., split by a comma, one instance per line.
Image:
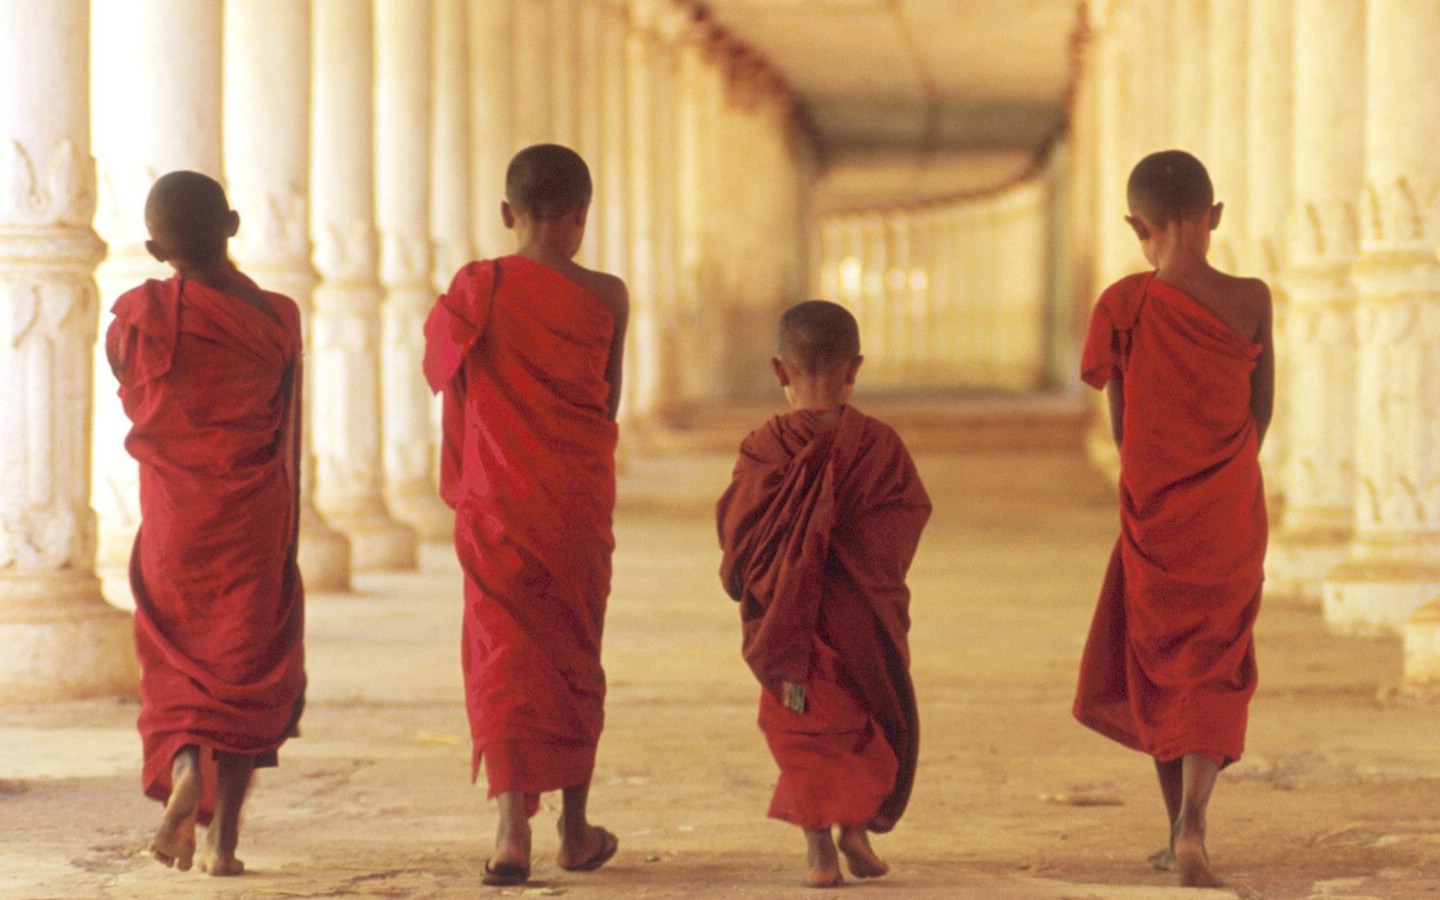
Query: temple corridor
x=1336, y=796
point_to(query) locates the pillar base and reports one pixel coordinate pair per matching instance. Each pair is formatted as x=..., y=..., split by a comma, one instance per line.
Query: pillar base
x=1296, y=566
x=1422, y=646
x=324, y=554
x=63, y=642
x=1367, y=601
x=377, y=542
x=426, y=513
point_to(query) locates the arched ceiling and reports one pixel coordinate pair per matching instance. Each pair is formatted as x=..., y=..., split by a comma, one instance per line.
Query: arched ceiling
x=917, y=98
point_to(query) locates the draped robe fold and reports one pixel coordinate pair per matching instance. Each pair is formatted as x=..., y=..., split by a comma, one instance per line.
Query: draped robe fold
x=1169, y=664
x=212, y=387
x=818, y=529
x=519, y=353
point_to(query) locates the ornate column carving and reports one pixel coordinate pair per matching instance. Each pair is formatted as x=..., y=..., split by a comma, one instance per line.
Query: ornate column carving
x=61, y=639
x=1317, y=336
x=345, y=346
x=267, y=161
x=1394, y=560
x=155, y=90
x=403, y=45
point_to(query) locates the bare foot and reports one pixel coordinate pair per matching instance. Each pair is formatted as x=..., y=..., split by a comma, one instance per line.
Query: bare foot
x=855, y=844
x=512, y=835
x=588, y=854
x=824, y=861
x=220, y=864
x=1191, y=860
x=1162, y=860
x=174, y=841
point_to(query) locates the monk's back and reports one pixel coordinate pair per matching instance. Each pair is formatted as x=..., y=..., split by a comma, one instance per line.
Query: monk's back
x=1241, y=303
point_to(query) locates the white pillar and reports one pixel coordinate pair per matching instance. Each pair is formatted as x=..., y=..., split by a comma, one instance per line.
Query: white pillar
x=646, y=389
x=267, y=161
x=1394, y=561
x=1327, y=172
x=492, y=136
x=60, y=638
x=1189, y=55
x=345, y=337
x=450, y=146
x=588, y=66
x=1228, y=148
x=403, y=46
x=155, y=90
x=533, y=83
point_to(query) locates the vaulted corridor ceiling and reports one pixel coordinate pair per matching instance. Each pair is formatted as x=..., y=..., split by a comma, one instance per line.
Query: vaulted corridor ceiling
x=917, y=98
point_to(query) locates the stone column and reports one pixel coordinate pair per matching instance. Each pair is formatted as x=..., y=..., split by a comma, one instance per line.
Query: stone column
x=61, y=640
x=647, y=389
x=491, y=130
x=1189, y=53
x=588, y=66
x=155, y=87
x=450, y=195
x=403, y=46
x=564, y=76
x=1267, y=165
x=267, y=160
x=1394, y=561
x=534, y=72
x=345, y=340
x=1318, y=337
x=1228, y=147
x=612, y=171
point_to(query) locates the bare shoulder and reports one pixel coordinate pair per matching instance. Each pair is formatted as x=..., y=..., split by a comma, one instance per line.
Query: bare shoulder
x=609, y=289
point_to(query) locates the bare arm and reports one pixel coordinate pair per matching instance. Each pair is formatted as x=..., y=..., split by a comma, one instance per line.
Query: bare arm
x=1262, y=379
x=1115, y=394
x=615, y=367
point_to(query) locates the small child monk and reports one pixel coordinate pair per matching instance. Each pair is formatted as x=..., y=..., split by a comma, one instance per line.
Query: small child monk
x=526, y=350
x=1184, y=354
x=818, y=529
x=209, y=372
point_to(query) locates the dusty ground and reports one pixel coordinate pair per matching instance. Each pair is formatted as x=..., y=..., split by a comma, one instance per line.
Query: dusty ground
x=1338, y=798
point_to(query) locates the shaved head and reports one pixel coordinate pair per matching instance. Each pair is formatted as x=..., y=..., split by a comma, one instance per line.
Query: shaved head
x=817, y=336
x=188, y=217
x=547, y=181
x=1168, y=186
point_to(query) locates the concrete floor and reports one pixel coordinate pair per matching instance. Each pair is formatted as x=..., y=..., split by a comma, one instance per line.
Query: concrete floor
x=1339, y=796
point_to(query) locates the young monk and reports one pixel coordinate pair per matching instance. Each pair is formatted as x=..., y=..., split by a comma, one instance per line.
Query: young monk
x=209, y=371
x=526, y=350
x=818, y=528
x=1185, y=356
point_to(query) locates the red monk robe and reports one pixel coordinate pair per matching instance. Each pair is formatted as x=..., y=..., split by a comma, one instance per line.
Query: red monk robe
x=1169, y=666
x=818, y=528
x=528, y=464
x=212, y=387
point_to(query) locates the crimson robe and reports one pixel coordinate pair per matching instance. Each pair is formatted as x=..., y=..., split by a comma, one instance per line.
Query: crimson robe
x=519, y=352
x=212, y=387
x=1169, y=665
x=818, y=529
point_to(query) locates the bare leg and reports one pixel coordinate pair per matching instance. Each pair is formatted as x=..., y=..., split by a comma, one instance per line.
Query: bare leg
x=855, y=844
x=583, y=847
x=1189, y=834
x=824, y=861
x=1172, y=787
x=174, y=841
x=512, y=838
x=232, y=781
